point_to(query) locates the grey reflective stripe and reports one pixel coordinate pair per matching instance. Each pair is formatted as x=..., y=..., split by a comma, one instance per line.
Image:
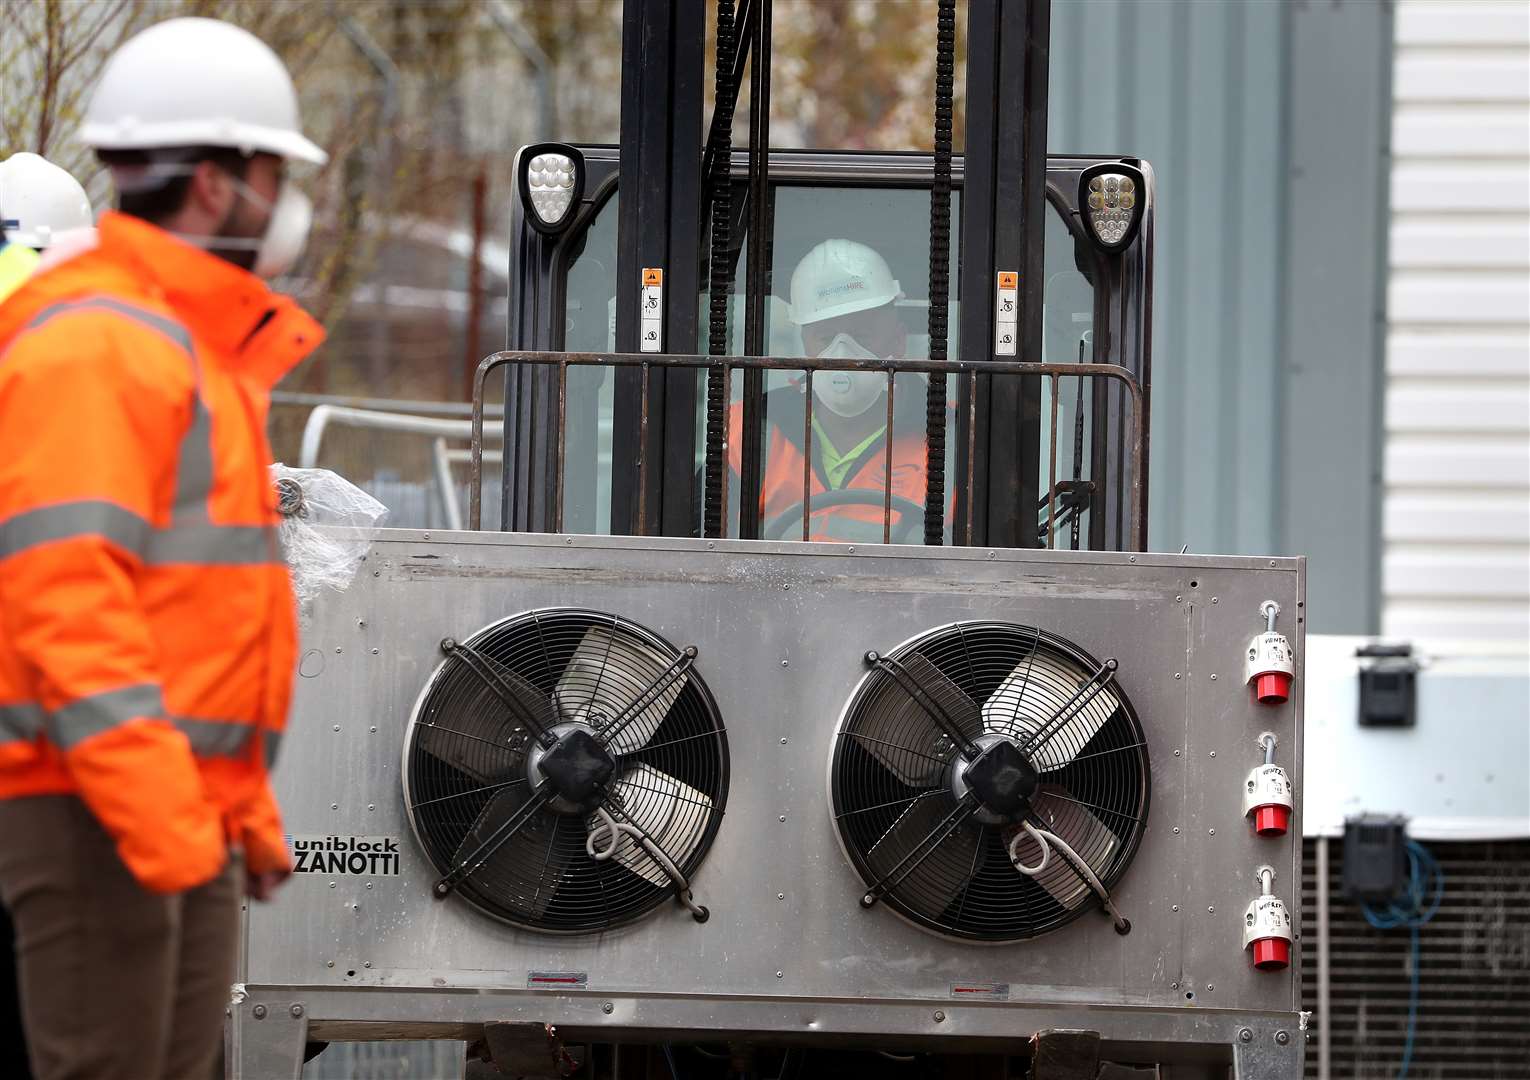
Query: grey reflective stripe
x=67, y=520
x=213, y=545
x=273, y=740
x=152, y=319
x=21, y=721
x=208, y=738
x=92, y=715
x=196, y=543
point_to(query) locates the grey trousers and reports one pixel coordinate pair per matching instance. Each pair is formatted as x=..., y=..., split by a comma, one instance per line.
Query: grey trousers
x=117, y=983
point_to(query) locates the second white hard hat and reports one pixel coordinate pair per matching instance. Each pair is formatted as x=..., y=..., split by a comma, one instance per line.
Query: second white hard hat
x=839, y=277
x=40, y=201
x=197, y=82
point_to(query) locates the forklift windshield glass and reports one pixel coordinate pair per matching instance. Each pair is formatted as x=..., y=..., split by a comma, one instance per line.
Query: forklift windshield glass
x=849, y=277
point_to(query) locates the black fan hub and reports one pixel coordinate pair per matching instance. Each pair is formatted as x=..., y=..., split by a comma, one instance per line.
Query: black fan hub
x=577, y=766
x=1003, y=779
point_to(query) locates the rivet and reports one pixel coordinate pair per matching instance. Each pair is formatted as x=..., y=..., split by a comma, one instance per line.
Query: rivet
x=1179, y=599
x=1211, y=832
x=331, y=884
x=373, y=729
x=369, y=884
x=780, y=974
x=607, y=1008
x=374, y=652
x=1176, y=830
x=334, y=806
x=338, y=649
x=940, y=1017
x=1132, y=559
x=330, y=964
x=1282, y=1037
x=1246, y=1035
x=260, y=1012
x=337, y=727
x=296, y=1011
x=1177, y=675
x=780, y=896
x=1176, y=753
x=783, y=740
x=361, y=622
x=786, y=663
x=425, y=536
x=371, y=806
x=783, y=817
x=991, y=554
x=1209, y=987
x=786, y=586
x=1213, y=599
x=852, y=549
x=367, y=964
x=1213, y=753
x=377, y=573
x=1174, y=908
x=1174, y=986
x=1272, y=562
x=1213, y=678
x=1211, y=911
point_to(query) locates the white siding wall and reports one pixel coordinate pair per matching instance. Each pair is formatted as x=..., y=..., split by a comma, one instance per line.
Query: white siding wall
x=1456, y=520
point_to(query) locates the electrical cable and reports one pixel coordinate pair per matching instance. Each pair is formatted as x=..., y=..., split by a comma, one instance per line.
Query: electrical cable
x=1047, y=839
x=610, y=827
x=1426, y=888
x=669, y=1058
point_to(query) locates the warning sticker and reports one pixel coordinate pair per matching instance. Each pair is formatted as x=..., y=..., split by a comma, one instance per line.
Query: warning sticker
x=359, y=856
x=1008, y=279
x=982, y=991
x=653, y=275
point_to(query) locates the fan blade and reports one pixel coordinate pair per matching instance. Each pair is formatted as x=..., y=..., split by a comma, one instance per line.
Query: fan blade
x=482, y=736
x=939, y=878
x=525, y=870
x=903, y=736
x=671, y=812
x=1084, y=833
x=607, y=673
x=1031, y=694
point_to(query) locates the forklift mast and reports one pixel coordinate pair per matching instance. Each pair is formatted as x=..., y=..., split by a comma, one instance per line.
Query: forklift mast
x=1032, y=293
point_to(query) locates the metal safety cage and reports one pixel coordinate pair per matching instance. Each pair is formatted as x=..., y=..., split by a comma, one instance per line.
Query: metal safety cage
x=1121, y=331
x=1058, y=504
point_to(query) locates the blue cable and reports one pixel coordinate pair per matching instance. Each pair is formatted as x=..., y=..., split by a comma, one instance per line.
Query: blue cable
x=1426, y=888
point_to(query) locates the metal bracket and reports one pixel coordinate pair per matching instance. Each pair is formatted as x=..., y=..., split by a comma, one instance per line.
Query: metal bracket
x=532, y=1051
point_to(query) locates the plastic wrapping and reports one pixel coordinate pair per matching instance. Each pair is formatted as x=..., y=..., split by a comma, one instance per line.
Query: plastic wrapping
x=328, y=524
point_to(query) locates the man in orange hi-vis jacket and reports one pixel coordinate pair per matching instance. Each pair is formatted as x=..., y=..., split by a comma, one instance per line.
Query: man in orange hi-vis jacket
x=147, y=627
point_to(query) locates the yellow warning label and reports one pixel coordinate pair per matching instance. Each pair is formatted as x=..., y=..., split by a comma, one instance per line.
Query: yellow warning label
x=1008, y=279
x=653, y=275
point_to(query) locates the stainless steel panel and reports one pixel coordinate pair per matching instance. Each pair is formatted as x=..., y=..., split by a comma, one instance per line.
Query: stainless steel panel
x=782, y=629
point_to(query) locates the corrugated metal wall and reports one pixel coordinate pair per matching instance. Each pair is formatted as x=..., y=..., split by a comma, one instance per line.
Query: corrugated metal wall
x=1196, y=88
x=1457, y=463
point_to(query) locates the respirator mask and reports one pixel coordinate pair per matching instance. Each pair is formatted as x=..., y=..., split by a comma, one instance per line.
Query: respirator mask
x=848, y=393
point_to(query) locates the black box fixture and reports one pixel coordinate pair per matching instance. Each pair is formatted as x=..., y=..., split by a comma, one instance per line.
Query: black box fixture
x=1375, y=858
x=1388, y=686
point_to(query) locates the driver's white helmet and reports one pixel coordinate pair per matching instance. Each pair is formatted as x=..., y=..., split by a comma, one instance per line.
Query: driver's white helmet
x=839, y=277
x=40, y=201
x=197, y=82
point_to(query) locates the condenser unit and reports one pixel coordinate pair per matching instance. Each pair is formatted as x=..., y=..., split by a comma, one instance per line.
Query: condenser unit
x=620, y=790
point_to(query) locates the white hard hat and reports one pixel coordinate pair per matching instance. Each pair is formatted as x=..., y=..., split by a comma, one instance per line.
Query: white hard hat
x=197, y=82
x=39, y=201
x=839, y=277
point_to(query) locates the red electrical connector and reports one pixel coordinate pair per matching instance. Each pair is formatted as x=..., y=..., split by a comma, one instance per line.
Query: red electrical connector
x=1271, y=663
x=1268, y=794
x=1267, y=926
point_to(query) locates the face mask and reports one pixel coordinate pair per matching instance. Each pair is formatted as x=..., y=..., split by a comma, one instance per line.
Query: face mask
x=287, y=223
x=848, y=393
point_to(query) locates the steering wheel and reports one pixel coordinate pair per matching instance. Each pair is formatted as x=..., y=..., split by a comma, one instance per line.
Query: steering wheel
x=908, y=515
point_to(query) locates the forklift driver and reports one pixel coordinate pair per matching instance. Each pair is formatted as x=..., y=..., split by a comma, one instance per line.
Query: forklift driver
x=843, y=300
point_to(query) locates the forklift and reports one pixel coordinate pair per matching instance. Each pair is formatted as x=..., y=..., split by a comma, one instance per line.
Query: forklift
x=969, y=565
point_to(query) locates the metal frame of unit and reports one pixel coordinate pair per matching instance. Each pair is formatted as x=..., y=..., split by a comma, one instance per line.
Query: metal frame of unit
x=788, y=954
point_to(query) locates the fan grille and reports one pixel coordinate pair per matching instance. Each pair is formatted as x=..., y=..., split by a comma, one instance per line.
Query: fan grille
x=466, y=770
x=892, y=766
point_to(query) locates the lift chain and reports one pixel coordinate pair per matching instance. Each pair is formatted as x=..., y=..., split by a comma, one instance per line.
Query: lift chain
x=940, y=276
x=720, y=284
